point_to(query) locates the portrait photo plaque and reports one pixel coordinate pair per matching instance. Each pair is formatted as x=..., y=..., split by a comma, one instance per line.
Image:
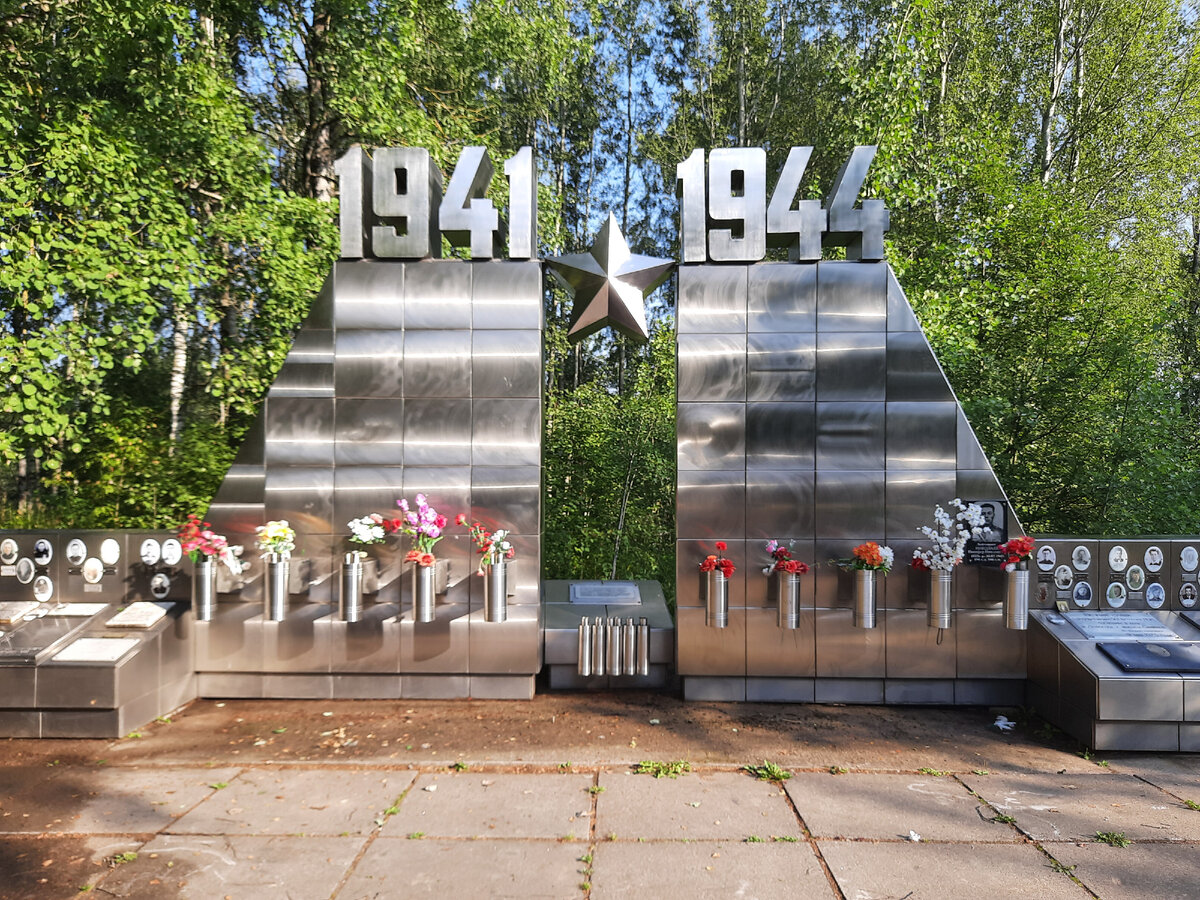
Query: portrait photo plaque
x=985, y=549
x=1081, y=557
x=1046, y=558
x=1153, y=559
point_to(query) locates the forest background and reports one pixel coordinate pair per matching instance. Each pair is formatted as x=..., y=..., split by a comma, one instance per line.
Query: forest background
x=168, y=209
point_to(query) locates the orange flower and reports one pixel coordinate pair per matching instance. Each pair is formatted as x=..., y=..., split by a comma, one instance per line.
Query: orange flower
x=869, y=553
x=426, y=559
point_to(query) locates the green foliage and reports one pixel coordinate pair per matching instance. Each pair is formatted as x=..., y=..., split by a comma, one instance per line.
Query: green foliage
x=768, y=771
x=1112, y=838
x=671, y=769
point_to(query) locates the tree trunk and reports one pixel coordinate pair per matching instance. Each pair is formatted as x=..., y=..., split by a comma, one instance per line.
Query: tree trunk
x=179, y=358
x=1058, y=71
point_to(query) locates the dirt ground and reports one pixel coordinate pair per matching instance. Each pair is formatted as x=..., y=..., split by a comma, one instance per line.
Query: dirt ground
x=595, y=728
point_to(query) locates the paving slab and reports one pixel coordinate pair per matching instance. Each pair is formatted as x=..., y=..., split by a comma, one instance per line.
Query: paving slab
x=1161, y=871
x=398, y=867
x=495, y=805
x=1065, y=808
x=131, y=800
x=919, y=871
x=888, y=807
x=1179, y=775
x=298, y=801
x=242, y=867
x=708, y=869
x=57, y=865
x=710, y=806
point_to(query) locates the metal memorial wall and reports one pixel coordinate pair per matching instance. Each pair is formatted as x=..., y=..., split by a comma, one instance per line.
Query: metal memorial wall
x=812, y=411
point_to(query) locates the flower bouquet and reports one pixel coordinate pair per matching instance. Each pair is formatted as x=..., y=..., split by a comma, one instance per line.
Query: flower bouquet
x=424, y=525
x=717, y=571
x=199, y=542
x=781, y=561
x=276, y=538
x=948, y=536
x=1017, y=551
x=789, y=571
x=714, y=563
x=868, y=556
x=493, y=546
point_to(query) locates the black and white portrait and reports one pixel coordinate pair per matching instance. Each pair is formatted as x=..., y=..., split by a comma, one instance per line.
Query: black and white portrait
x=1135, y=578
x=93, y=571
x=1115, y=594
x=110, y=552
x=43, y=588
x=172, y=552
x=1082, y=595
x=1063, y=578
x=151, y=552
x=1189, y=559
x=160, y=585
x=1153, y=559
x=1156, y=595
x=1081, y=557
x=1046, y=558
x=1187, y=596
x=43, y=552
x=1118, y=558
x=992, y=529
x=24, y=570
x=76, y=552
x=8, y=551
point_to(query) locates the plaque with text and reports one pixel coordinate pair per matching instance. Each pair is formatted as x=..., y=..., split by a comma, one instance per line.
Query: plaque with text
x=1131, y=626
x=600, y=592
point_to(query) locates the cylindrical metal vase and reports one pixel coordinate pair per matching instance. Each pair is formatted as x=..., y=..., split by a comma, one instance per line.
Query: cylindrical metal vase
x=615, y=645
x=629, y=647
x=1016, y=600
x=204, y=589
x=275, y=590
x=599, y=634
x=941, y=603
x=864, y=598
x=585, y=646
x=789, y=599
x=717, y=604
x=643, y=646
x=495, y=592
x=423, y=593
x=350, y=600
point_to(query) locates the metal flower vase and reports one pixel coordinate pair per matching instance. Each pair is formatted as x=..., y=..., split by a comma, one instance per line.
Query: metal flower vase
x=941, y=602
x=716, y=607
x=350, y=600
x=1016, y=599
x=789, y=599
x=864, y=598
x=275, y=592
x=204, y=589
x=423, y=583
x=495, y=591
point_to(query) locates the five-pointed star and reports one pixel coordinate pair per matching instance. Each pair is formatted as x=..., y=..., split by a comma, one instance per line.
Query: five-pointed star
x=609, y=284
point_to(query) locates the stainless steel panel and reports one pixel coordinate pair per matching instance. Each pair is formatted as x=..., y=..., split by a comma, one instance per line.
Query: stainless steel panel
x=20, y=723
x=437, y=432
x=921, y=436
x=711, y=435
x=710, y=651
x=781, y=366
x=899, y=310
x=844, y=651
x=18, y=686
x=775, y=651
x=364, y=687
x=834, y=588
x=229, y=685
x=506, y=364
x=970, y=453
x=369, y=295
x=989, y=692
x=851, y=296
x=850, y=436
x=299, y=431
x=712, y=299
x=506, y=295
x=307, y=370
x=506, y=497
x=981, y=484
x=850, y=504
x=1160, y=736
x=438, y=295
x=911, y=497
x=849, y=690
x=437, y=364
x=716, y=690
x=986, y=649
x=295, y=644
x=782, y=297
x=1191, y=698
x=851, y=366
x=82, y=723
x=780, y=690
x=779, y=504
x=710, y=504
x=512, y=647
x=904, y=588
x=438, y=646
x=296, y=686
x=303, y=495
x=371, y=645
x=253, y=449
x=435, y=687
x=1189, y=738
x=712, y=367
x=688, y=556
x=913, y=372
x=913, y=648
x=502, y=687
x=918, y=690
x=243, y=484
x=369, y=363
x=227, y=644
x=506, y=432
x=368, y=432
x=780, y=435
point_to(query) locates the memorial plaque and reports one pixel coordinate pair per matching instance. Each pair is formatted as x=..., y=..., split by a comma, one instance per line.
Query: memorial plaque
x=96, y=650
x=16, y=611
x=1181, y=656
x=137, y=615
x=1130, y=626
x=600, y=592
x=985, y=549
x=79, y=609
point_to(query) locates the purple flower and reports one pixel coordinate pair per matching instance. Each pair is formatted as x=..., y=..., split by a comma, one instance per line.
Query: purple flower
x=420, y=499
x=412, y=518
x=403, y=504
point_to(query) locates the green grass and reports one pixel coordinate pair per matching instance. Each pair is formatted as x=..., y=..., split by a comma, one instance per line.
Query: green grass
x=837, y=770
x=1113, y=838
x=768, y=771
x=936, y=773
x=1192, y=804
x=1004, y=819
x=596, y=789
x=755, y=839
x=671, y=769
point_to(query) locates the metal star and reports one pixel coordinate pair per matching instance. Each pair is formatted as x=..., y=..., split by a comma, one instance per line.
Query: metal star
x=609, y=285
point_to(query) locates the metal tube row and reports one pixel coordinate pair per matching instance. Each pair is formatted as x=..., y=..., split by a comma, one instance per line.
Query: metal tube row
x=615, y=647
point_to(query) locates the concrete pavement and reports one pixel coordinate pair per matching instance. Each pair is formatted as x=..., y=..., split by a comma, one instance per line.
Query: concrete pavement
x=184, y=811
